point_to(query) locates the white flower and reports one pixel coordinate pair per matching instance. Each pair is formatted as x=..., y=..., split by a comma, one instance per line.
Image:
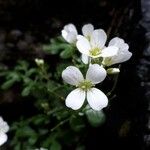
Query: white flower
x=69, y=33
x=85, y=87
x=3, y=129
x=95, y=47
x=122, y=55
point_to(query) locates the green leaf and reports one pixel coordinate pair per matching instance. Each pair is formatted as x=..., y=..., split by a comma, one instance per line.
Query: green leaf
x=26, y=91
x=8, y=84
x=77, y=123
x=39, y=120
x=22, y=65
x=25, y=131
x=32, y=140
x=55, y=146
x=31, y=71
x=67, y=53
x=52, y=49
x=17, y=146
x=95, y=118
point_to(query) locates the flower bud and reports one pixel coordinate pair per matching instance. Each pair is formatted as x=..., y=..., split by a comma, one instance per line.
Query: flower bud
x=113, y=70
x=39, y=62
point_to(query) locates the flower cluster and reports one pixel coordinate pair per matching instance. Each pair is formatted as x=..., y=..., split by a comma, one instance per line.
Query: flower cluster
x=3, y=130
x=92, y=46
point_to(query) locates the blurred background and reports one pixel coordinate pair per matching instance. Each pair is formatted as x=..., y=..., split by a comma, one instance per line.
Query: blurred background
x=25, y=25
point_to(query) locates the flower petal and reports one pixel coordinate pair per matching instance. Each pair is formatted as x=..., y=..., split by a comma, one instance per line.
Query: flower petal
x=70, y=37
x=75, y=99
x=123, y=47
x=87, y=30
x=116, y=42
x=72, y=75
x=1, y=120
x=109, y=51
x=98, y=38
x=97, y=99
x=69, y=33
x=122, y=56
x=96, y=73
x=3, y=138
x=127, y=55
x=83, y=45
x=4, y=127
x=64, y=34
x=80, y=36
x=70, y=28
x=85, y=58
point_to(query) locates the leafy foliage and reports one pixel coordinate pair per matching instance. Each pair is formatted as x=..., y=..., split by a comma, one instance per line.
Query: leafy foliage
x=54, y=126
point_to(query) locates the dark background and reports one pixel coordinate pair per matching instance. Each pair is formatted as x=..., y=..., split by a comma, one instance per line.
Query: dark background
x=26, y=24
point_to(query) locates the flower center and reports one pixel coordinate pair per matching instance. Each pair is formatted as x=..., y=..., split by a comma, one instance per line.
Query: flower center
x=85, y=85
x=95, y=51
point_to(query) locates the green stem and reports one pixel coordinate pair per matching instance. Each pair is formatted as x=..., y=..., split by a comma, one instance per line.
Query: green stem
x=54, y=93
x=60, y=124
x=54, y=111
x=44, y=72
x=115, y=84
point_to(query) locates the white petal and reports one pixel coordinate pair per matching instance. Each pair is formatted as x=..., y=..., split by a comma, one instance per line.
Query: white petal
x=70, y=28
x=109, y=51
x=83, y=45
x=75, y=99
x=3, y=138
x=70, y=37
x=97, y=99
x=123, y=47
x=72, y=75
x=1, y=120
x=122, y=56
x=127, y=56
x=69, y=33
x=85, y=58
x=64, y=34
x=98, y=38
x=116, y=42
x=96, y=73
x=4, y=127
x=80, y=36
x=87, y=30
